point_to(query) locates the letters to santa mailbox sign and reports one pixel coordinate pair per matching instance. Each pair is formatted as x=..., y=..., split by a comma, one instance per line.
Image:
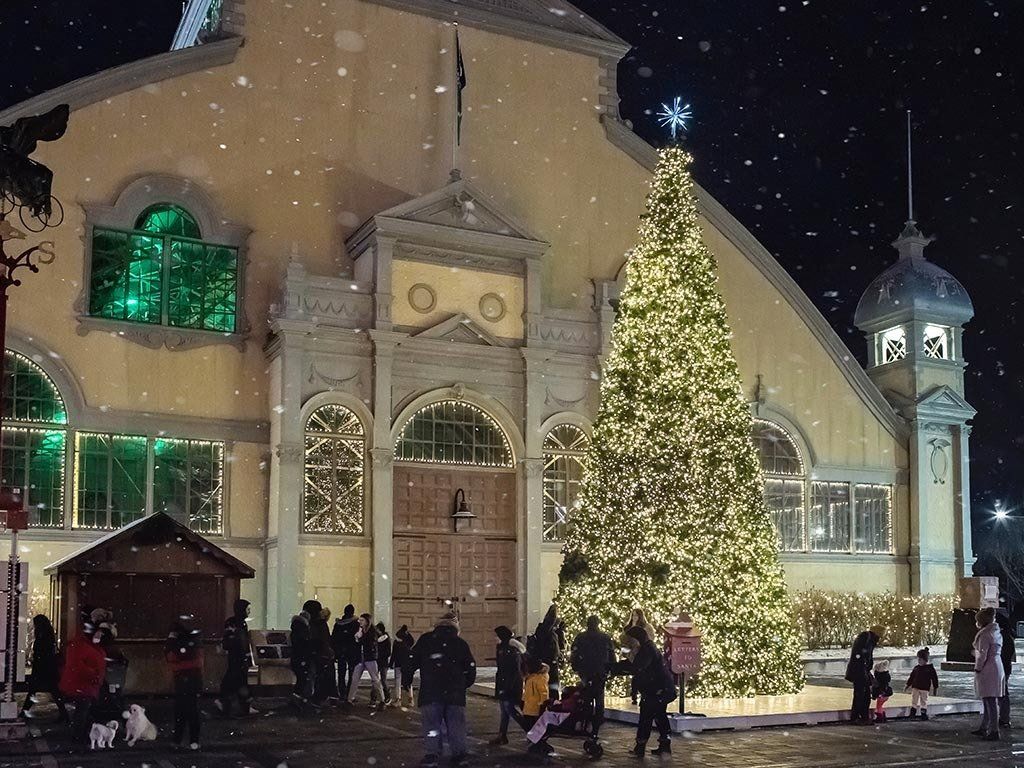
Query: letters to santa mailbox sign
x=683, y=645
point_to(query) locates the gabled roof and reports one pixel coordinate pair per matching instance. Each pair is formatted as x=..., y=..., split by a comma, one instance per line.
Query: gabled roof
x=146, y=530
x=456, y=218
x=553, y=22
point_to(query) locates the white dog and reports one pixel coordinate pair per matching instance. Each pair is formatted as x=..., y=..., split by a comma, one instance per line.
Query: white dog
x=101, y=735
x=138, y=726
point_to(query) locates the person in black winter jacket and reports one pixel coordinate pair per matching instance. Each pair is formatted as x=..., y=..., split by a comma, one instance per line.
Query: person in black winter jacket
x=1008, y=655
x=508, y=682
x=447, y=669
x=234, y=686
x=366, y=643
x=384, y=646
x=400, y=650
x=592, y=656
x=548, y=644
x=45, y=666
x=303, y=654
x=345, y=651
x=858, y=672
x=654, y=682
x=324, y=684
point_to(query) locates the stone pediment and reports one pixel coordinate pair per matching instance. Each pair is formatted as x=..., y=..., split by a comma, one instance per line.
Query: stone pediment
x=458, y=205
x=943, y=403
x=944, y=397
x=460, y=329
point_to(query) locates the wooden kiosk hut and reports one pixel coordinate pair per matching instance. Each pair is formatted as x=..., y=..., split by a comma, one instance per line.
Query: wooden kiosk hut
x=149, y=573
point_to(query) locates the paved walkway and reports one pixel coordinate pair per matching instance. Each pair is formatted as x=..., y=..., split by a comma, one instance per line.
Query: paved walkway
x=278, y=738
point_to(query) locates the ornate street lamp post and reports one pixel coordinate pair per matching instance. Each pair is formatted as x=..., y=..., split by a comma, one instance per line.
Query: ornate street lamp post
x=25, y=190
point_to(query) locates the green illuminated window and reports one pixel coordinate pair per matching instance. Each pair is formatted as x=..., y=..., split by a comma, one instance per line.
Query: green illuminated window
x=188, y=482
x=34, y=439
x=165, y=219
x=29, y=394
x=163, y=273
x=110, y=480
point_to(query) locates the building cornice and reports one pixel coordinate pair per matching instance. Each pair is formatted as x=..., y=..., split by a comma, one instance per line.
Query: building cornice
x=127, y=77
x=623, y=137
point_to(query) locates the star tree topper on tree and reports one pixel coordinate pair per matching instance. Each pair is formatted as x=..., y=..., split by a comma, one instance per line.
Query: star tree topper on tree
x=672, y=508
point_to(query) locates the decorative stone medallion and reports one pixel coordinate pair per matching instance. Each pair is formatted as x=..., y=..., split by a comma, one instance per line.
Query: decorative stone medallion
x=422, y=298
x=492, y=307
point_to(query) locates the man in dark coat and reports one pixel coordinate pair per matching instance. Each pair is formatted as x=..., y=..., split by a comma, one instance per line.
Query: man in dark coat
x=508, y=681
x=346, y=650
x=303, y=658
x=547, y=645
x=654, y=681
x=446, y=669
x=592, y=657
x=324, y=685
x=234, y=686
x=858, y=672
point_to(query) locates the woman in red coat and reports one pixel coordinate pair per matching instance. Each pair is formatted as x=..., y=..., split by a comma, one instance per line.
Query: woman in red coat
x=85, y=666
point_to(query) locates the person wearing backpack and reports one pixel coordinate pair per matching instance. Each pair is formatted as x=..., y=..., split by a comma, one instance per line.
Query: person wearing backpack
x=447, y=669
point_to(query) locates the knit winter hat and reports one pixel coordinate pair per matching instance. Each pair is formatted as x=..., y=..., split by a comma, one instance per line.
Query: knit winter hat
x=878, y=630
x=924, y=653
x=450, y=619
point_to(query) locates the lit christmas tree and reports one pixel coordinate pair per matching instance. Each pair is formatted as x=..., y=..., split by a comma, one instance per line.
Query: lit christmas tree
x=672, y=509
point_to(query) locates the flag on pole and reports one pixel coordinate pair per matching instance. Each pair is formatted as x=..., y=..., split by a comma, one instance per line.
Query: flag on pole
x=460, y=81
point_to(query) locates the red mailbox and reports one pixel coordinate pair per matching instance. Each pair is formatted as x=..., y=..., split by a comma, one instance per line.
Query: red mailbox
x=683, y=641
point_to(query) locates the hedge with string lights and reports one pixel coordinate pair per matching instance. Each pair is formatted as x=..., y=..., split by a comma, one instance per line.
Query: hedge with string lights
x=672, y=510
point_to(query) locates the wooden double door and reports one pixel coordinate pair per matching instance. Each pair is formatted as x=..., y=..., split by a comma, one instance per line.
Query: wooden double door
x=475, y=569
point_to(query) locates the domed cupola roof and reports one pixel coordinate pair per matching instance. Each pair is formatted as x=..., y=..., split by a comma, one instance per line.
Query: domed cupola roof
x=913, y=289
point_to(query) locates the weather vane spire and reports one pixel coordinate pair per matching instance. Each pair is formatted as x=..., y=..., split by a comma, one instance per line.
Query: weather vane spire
x=910, y=174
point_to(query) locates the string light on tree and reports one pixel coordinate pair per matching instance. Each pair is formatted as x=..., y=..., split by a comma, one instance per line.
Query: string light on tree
x=672, y=513
x=674, y=116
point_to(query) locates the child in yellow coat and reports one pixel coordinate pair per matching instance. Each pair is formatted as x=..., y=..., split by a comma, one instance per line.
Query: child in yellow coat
x=535, y=691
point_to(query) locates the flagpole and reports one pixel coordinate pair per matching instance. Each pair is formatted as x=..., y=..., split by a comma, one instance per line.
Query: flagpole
x=455, y=99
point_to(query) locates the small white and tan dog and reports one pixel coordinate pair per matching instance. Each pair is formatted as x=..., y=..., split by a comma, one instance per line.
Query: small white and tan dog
x=138, y=726
x=102, y=736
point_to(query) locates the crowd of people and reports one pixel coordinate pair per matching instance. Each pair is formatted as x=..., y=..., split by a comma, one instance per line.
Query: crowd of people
x=330, y=662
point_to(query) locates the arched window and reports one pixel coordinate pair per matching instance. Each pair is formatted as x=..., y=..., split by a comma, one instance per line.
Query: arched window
x=783, y=483
x=565, y=451
x=936, y=342
x=893, y=345
x=332, y=499
x=454, y=432
x=34, y=440
x=168, y=219
x=162, y=273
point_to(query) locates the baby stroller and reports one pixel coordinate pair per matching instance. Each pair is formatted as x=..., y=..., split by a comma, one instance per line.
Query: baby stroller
x=572, y=717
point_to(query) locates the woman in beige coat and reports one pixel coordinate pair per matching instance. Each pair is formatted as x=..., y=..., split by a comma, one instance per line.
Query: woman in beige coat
x=988, y=672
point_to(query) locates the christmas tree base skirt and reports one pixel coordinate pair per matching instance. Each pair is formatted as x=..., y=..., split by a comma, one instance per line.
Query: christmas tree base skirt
x=814, y=704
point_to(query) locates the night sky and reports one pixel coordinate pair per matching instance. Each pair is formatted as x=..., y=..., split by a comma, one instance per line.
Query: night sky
x=799, y=131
